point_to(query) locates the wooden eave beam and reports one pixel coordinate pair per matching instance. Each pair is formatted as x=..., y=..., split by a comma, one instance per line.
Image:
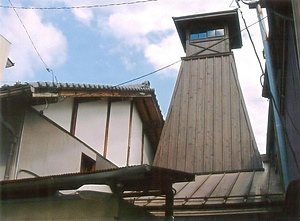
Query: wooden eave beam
x=151, y=118
x=91, y=94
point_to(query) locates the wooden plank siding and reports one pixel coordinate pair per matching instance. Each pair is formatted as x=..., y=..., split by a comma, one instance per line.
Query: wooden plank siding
x=207, y=129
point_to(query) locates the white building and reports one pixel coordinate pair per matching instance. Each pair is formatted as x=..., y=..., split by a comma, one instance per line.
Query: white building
x=52, y=129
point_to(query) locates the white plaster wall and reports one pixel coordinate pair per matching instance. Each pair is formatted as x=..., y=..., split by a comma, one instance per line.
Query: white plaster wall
x=90, y=124
x=60, y=113
x=47, y=150
x=136, y=139
x=118, y=133
x=148, y=155
x=5, y=46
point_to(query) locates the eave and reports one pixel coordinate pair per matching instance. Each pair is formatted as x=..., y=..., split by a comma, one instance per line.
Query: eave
x=135, y=178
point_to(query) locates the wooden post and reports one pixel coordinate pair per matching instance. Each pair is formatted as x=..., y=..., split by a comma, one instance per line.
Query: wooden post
x=169, y=202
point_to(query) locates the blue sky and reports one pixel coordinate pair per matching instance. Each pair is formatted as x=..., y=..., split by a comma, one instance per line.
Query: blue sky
x=110, y=45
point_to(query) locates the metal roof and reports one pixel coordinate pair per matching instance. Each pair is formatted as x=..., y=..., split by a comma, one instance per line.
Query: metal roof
x=134, y=178
x=204, y=20
x=226, y=192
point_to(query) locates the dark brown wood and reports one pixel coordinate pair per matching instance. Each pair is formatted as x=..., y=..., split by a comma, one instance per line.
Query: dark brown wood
x=107, y=128
x=129, y=133
x=74, y=117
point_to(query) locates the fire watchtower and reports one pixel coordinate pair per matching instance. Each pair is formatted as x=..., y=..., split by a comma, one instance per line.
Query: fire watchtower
x=207, y=129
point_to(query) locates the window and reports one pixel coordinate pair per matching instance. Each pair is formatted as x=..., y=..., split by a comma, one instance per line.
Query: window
x=211, y=33
x=220, y=32
x=207, y=34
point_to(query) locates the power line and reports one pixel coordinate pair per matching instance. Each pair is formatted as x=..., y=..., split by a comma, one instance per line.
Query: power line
x=32, y=43
x=251, y=40
x=169, y=65
x=145, y=75
x=77, y=7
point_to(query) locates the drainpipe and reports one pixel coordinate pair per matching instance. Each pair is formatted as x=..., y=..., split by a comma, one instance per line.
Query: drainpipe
x=14, y=141
x=274, y=96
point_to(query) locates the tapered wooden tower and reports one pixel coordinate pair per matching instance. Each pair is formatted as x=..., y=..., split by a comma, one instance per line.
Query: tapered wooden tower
x=207, y=129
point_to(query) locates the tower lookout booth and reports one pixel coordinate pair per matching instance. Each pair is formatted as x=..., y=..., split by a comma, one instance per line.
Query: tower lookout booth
x=211, y=33
x=207, y=129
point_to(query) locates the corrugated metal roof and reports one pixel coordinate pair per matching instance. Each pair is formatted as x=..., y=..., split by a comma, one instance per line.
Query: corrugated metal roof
x=212, y=192
x=207, y=128
x=133, y=178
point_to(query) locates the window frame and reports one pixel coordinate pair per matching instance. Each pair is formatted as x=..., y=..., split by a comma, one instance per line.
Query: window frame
x=208, y=34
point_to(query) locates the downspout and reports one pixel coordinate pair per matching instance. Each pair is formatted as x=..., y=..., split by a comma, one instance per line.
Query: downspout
x=9, y=162
x=274, y=96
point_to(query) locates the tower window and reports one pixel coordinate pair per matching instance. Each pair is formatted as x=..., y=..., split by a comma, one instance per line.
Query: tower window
x=220, y=32
x=207, y=34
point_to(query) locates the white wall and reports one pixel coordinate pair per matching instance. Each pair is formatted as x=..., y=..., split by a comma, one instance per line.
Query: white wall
x=148, y=154
x=118, y=132
x=60, y=113
x=4, y=50
x=90, y=124
x=136, y=139
x=47, y=150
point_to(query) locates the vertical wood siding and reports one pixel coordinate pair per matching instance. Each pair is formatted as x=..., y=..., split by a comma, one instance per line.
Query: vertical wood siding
x=207, y=128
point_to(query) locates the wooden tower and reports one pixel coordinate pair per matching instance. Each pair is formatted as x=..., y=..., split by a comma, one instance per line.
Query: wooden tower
x=207, y=129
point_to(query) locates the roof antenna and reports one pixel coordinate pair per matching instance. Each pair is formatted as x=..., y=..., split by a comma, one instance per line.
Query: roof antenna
x=54, y=79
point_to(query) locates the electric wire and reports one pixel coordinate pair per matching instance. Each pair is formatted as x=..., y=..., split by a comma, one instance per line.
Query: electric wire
x=78, y=7
x=251, y=40
x=272, y=97
x=32, y=43
x=169, y=65
x=145, y=75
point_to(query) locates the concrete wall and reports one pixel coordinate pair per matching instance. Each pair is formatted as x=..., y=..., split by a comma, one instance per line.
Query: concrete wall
x=60, y=209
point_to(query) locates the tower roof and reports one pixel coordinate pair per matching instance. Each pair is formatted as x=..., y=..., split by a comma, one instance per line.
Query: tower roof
x=207, y=20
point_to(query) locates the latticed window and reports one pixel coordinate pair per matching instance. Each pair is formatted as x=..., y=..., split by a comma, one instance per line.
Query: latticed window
x=207, y=34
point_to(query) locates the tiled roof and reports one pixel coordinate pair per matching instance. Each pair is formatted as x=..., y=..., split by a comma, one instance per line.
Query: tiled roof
x=21, y=87
x=144, y=97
